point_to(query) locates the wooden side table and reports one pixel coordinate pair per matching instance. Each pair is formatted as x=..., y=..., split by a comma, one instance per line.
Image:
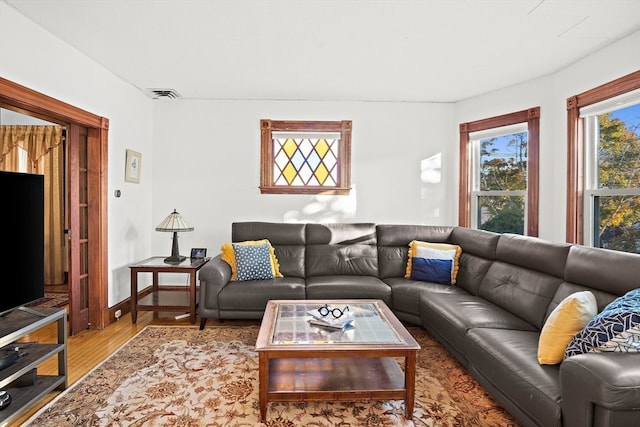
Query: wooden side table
x=165, y=298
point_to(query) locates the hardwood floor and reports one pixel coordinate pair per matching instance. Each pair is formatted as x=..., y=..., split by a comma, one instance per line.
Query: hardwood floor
x=88, y=348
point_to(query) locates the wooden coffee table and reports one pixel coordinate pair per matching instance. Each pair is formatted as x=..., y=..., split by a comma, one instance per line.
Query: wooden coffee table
x=302, y=362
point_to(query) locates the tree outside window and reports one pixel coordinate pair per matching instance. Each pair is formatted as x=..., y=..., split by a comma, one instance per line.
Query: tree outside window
x=603, y=165
x=499, y=173
x=613, y=200
x=503, y=183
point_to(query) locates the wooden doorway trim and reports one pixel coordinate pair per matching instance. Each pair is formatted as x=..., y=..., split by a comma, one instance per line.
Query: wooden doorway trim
x=22, y=99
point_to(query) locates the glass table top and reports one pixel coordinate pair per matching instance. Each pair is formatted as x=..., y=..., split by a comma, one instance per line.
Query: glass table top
x=361, y=323
x=158, y=261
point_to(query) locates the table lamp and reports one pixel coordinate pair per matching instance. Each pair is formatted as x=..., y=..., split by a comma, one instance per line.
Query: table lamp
x=174, y=223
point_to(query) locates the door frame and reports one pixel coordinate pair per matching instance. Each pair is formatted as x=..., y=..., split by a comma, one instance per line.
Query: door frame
x=28, y=101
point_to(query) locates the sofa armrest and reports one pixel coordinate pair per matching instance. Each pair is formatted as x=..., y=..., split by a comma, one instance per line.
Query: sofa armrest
x=600, y=389
x=213, y=277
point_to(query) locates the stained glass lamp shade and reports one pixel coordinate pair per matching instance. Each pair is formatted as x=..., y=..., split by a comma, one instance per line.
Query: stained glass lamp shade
x=174, y=223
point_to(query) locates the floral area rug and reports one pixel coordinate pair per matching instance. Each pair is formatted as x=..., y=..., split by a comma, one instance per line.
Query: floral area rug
x=181, y=376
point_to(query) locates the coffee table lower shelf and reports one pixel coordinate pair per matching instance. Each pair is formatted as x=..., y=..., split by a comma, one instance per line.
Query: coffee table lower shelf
x=336, y=378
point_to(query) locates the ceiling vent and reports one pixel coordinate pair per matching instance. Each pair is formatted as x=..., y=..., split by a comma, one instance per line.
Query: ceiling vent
x=163, y=93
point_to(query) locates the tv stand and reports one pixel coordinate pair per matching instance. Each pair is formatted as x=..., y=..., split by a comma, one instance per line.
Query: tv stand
x=25, y=309
x=31, y=311
x=21, y=379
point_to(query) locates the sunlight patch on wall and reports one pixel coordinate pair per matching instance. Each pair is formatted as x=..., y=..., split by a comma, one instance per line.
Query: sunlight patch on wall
x=325, y=209
x=431, y=194
x=430, y=169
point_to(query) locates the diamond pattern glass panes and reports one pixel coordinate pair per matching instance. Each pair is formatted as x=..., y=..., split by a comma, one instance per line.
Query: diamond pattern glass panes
x=305, y=157
x=303, y=161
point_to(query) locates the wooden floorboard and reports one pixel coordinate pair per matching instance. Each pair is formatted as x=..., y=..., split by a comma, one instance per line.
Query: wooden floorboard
x=88, y=348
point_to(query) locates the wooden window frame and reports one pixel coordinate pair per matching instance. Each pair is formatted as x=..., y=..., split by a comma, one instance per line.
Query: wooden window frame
x=530, y=116
x=575, y=148
x=267, y=126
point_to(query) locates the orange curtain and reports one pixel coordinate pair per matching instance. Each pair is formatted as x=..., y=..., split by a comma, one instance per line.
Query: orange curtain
x=39, y=149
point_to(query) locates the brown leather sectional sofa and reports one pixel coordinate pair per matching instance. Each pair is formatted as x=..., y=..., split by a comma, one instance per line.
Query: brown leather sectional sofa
x=490, y=320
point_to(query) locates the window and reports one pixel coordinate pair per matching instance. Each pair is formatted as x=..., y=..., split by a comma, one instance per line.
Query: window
x=603, y=201
x=499, y=173
x=305, y=157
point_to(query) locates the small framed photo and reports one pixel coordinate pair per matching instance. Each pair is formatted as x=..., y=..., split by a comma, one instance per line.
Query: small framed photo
x=132, y=168
x=198, y=252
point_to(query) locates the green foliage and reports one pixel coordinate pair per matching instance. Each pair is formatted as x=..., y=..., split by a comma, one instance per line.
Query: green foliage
x=503, y=171
x=510, y=219
x=619, y=167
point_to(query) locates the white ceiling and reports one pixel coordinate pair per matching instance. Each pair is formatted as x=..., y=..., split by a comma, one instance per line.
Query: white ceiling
x=371, y=50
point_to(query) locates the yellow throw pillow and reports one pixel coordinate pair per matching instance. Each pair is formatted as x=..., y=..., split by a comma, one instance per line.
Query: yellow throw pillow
x=433, y=262
x=564, y=322
x=251, y=260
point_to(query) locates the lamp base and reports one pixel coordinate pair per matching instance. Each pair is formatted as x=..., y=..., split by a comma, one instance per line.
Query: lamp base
x=174, y=259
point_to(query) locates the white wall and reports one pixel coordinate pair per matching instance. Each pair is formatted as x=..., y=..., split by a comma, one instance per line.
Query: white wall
x=34, y=58
x=551, y=93
x=207, y=166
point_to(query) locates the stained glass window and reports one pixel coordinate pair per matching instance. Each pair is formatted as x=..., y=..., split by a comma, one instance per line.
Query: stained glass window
x=305, y=157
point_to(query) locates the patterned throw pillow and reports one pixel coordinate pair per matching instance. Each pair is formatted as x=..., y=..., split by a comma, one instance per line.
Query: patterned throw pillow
x=564, y=322
x=616, y=328
x=251, y=260
x=433, y=262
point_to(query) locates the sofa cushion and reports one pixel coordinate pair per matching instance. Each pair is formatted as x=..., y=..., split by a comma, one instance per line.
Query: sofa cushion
x=616, y=328
x=433, y=262
x=406, y=294
x=585, y=267
x=524, y=292
x=565, y=321
x=251, y=260
x=478, y=253
x=472, y=270
x=504, y=361
x=450, y=316
x=253, y=295
x=533, y=253
x=287, y=239
x=393, y=241
x=478, y=242
x=565, y=289
x=348, y=287
x=341, y=249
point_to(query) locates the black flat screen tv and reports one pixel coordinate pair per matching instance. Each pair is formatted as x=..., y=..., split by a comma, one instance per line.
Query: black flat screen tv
x=21, y=239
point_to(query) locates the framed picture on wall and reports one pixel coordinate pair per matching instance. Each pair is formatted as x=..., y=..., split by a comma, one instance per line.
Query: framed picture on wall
x=132, y=167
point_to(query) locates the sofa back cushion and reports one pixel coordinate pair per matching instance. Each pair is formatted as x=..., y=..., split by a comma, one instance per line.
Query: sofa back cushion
x=393, y=245
x=533, y=253
x=288, y=240
x=567, y=288
x=605, y=270
x=478, y=253
x=607, y=274
x=525, y=276
x=341, y=249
